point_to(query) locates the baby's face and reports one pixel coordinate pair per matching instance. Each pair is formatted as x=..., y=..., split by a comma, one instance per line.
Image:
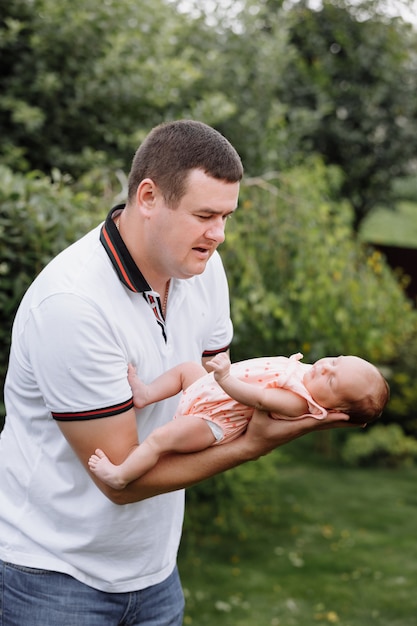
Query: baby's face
x=334, y=381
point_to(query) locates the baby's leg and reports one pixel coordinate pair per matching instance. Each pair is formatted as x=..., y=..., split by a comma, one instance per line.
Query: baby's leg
x=139, y=461
x=183, y=435
x=100, y=465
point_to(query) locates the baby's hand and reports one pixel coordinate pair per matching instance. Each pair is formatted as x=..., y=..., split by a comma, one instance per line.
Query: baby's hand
x=139, y=389
x=221, y=365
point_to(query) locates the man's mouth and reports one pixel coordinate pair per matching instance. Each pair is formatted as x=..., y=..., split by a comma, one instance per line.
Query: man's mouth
x=201, y=250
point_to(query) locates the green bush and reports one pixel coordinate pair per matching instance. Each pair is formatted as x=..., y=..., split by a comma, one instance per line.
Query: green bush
x=38, y=219
x=403, y=376
x=222, y=498
x=385, y=446
x=301, y=281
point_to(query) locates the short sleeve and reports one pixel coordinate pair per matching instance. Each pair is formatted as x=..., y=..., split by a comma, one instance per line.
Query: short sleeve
x=77, y=362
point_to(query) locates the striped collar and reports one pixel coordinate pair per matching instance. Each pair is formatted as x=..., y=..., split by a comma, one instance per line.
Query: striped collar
x=126, y=269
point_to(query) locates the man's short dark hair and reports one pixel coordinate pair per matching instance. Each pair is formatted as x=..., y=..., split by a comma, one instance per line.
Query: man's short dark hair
x=173, y=149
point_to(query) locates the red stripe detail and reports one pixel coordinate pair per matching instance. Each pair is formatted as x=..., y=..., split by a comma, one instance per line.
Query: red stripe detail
x=156, y=313
x=155, y=308
x=214, y=352
x=117, y=408
x=118, y=261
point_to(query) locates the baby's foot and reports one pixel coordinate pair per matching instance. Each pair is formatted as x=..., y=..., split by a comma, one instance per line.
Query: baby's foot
x=105, y=470
x=139, y=388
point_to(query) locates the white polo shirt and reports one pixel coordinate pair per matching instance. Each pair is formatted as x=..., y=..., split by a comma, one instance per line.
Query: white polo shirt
x=86, y=316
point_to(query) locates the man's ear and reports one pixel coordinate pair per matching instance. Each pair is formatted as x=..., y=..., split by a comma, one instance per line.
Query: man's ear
x=146, y=194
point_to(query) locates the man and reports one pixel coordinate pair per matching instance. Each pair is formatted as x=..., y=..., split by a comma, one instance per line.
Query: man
x=147, y=287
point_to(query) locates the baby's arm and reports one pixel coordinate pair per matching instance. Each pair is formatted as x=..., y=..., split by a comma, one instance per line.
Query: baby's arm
x=168, y=384
x=272, y=400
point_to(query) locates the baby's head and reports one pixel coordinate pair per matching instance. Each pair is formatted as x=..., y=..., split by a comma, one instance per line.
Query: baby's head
x=350, y=385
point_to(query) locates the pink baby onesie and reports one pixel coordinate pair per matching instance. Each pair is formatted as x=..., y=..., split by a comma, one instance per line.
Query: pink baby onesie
x=207, y=400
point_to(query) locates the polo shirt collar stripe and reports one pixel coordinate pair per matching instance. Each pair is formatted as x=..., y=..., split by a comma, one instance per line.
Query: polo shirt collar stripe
x=126, y=269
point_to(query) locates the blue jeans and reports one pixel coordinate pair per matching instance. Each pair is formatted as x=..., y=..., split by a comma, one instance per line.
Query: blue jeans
x=33, y=597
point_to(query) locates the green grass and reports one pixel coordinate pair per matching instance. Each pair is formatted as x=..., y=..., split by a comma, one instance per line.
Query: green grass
x=319, y=545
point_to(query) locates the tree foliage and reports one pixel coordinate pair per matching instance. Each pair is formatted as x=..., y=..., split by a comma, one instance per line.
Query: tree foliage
x=85, y=77
x=81, y=82
x=358, y=71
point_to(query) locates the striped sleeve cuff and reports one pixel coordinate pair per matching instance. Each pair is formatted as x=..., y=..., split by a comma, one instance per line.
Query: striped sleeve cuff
x=210, y=353
x=109, y=411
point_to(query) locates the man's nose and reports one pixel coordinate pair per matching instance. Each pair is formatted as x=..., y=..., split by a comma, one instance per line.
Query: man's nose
x=216, y=231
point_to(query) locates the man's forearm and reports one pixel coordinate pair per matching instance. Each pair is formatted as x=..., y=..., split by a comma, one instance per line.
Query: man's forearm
x=184, y=470
x=179, y=471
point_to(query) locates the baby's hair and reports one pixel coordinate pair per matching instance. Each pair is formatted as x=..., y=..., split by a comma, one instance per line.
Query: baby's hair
x=368, y=409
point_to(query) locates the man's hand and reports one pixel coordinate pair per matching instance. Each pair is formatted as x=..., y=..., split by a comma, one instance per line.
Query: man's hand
x=264, y=434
